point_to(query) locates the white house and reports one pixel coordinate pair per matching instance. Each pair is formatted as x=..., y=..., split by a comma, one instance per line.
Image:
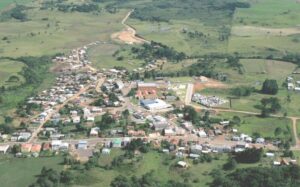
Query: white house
x=4, y=148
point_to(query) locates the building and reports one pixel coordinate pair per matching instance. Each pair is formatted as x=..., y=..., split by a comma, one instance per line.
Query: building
x=147, y=91
x=105, y=151
x=55, y=145
x=36, y=148
x=82, y=144
x=94, y=131
x=26, y=148
x=4, y=148
x=155, y=105
x=182, y=164
x=117, y=143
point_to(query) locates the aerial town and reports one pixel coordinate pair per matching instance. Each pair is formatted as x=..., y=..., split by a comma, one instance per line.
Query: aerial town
x=149, y=93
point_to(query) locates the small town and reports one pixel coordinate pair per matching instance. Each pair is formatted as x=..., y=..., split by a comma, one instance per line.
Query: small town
x=68, y=116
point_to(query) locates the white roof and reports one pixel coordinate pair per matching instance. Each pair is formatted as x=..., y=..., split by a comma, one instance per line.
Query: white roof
x=4, y=148
x=182, y=163
x=143, y=84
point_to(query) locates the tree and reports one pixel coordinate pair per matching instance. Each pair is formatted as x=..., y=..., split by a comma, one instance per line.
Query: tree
x=252, y=155
x=230, y=165
x=120, y=181
x=270, y=105
x=270, y=87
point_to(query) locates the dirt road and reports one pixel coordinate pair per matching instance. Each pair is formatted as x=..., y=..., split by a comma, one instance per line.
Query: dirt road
x=189, y=94
x=128, y=34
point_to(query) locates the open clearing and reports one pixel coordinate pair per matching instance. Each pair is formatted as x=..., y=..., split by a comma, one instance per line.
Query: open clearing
x=50, y=32
x=23, y=172
x=257, y=31
x=9, y=68
x=128, y=34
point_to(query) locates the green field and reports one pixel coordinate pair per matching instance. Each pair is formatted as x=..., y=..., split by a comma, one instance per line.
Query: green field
x=269, y=13
x=255, y=72
x=9, y=68
x=161, y=164
x=49, y=32
x=23, y=171
x=102, y=56
x=5, y=3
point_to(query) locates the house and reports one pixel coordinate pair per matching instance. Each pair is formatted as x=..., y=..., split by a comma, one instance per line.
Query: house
x=160, y=126
x=202, y=134
x=169, y=132
x=76, y=119
x=240, y=147
x=182, y=164
x=196, y=149
x=136, y=133
x=4, y=148
x=260, y=140
x=105, y=151
x=24, y=136
x=55, y=145
x=36, y=148
x=270, y=154
x=117, y=143
x=291, y=86
x=119, y=85
x=94, y=131
x=46, y=146
x=56, y=136
x=82, y=144
x=90, y=119
x=224, y=123
x=26, y=148
x=194, y=156
x=64, y=146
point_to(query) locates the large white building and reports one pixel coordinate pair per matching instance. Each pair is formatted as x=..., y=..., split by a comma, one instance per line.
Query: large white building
x=155, y=105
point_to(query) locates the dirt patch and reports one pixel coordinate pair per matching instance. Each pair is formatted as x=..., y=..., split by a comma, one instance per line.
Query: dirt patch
x=208, y=83
x=127, y=36
x=258, y=31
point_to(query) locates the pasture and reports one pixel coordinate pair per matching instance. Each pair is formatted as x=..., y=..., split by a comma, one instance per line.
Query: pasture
x=10, y=68
x=162, y=164
x=23, y=171
x=269, y=13
x=49, y=32
x=110, y=55
x=5, y=3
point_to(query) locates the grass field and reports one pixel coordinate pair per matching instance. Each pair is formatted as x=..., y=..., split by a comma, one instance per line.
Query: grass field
x=269, y=13
x=5, y=3
x=51, y=32
x=22, y=172
x=9, y=68
x=255, y=72
x=102, y=56
x=159, y=163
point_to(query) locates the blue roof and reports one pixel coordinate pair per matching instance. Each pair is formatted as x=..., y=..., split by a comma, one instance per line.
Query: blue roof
x=147, y=102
